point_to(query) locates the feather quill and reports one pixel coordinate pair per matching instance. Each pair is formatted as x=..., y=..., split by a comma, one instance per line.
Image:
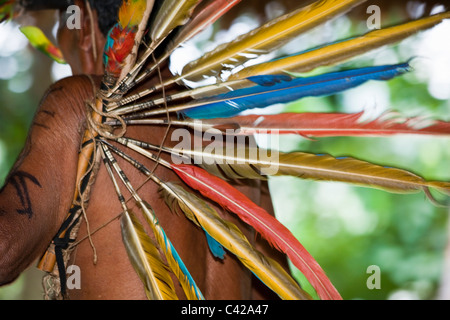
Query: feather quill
x=340, y=51
x=265, y=38
x=269, y=227
x=227, y=234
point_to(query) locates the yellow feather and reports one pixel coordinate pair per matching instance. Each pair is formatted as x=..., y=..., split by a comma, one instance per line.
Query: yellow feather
x=146, y=260
x=265, y=38
x=166, y=247
x=255, y=163
x=131, y=12
x=341, y=51
x=172, y=14
x=229, y=236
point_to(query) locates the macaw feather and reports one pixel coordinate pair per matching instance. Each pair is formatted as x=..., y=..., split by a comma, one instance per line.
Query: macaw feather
x=7, y=10
x=268, y=226
x=284, y=90
x=316, y=124
x=269, y=90
x=122, y=39
x=146, y=260
x=209, y=12
x=40, y=41
x=173, y=13
x=174, y=261
x=175, y=264
x=131, y=13
x=229, y=236
x=268, y=37
x=340, y=51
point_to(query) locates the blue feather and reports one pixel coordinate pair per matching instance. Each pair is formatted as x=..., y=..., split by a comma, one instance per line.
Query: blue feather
x=278, y=89
x=182, y=266
x=109, y=44
x=216, y=248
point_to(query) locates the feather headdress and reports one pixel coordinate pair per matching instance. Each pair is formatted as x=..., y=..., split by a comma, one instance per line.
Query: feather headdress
x=130, y=58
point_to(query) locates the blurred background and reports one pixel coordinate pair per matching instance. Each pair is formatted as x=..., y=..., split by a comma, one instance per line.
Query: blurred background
x=347, y=229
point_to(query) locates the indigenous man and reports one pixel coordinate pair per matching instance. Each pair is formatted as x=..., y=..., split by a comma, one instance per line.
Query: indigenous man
x=39, y=191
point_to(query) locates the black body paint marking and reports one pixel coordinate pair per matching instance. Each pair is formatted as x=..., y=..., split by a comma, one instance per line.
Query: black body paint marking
x=49, y=113
x=18, y=180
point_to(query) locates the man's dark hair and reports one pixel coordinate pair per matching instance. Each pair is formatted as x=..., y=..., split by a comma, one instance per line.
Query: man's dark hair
x=107, y=11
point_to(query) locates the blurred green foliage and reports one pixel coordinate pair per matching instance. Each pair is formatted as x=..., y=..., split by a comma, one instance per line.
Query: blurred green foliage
x=347, y=229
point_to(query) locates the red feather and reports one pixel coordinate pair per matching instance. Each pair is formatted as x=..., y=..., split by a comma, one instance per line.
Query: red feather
x=269, y=227
x=123, y=44
x=208, y=13
x=332, y=124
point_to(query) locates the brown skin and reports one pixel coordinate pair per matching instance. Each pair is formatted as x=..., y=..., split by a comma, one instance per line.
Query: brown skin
x=51, y=157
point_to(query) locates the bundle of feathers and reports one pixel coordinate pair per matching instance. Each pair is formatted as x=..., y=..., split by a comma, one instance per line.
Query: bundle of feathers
x=145, y=37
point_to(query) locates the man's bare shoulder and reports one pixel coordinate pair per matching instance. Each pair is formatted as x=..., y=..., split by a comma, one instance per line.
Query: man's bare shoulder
x=69, y=97
x=72, y=88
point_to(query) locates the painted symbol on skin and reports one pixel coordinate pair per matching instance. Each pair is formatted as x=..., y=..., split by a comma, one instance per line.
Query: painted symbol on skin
x=18, y=180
